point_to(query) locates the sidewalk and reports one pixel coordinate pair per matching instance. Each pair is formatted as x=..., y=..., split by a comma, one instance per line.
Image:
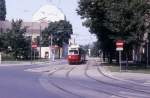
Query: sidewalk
x=137, y=78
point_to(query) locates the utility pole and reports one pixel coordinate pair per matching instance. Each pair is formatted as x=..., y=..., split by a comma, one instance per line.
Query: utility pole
x=31, y=48
x=147, y=55
x=31, y=39
x=40, y=40
x=52, y=50
x=74, y=41
x=51, y=40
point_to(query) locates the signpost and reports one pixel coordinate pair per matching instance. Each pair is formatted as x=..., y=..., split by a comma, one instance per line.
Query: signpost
x=34, y=46
x=119, y=47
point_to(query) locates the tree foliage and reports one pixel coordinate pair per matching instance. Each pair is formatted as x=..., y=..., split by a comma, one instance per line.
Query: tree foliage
x=111, y=20
x=59, y=31
x=2, y=10
x=14, y=41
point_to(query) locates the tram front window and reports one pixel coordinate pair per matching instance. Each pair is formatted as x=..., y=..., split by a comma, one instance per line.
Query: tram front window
x=73, y=52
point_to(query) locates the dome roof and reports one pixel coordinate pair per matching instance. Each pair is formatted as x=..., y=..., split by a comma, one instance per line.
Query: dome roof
x=48, y=13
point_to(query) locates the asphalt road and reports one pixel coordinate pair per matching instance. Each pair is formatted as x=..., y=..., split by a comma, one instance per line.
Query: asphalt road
x=65, y=81
x=17, y=83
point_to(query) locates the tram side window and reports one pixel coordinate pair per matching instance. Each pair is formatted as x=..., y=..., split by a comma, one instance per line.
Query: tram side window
x=73, y=52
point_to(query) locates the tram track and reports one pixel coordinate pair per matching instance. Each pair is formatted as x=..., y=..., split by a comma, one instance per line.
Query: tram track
x=79, y=96
x=114, y=85
x=67, y=74
x=97, y=90
x=61, y=88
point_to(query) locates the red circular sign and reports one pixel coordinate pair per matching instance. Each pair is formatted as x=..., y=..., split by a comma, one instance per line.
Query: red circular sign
x=119, y=43
x=34, y=45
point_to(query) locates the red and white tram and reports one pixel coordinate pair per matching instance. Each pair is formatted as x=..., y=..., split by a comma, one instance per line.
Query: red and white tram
x=76, y=54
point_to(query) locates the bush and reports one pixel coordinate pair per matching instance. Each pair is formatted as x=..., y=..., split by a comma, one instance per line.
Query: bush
x=7, y=56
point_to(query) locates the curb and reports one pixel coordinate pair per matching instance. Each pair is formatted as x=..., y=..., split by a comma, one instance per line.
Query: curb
x=19, y=63
x=107, y=73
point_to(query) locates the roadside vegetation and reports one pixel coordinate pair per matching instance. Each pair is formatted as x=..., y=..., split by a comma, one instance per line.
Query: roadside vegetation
x=133, y=68
x=112, y=20
x=16, y=45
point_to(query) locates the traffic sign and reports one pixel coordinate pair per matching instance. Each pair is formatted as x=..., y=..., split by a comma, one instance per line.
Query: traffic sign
x=119, y=45
x=34, y=45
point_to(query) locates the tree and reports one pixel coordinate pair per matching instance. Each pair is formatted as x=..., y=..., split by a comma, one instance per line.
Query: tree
x=115, y=19
x=95, y=49
x=2, y=41
x=59, y=31
x=2, y=10
x=16, y=42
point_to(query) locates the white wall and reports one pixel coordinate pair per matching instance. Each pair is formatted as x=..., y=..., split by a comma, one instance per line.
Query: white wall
x=44, y=50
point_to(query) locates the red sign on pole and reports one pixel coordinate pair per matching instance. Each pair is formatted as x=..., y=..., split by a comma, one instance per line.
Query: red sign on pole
x=119, y=45
x=34, y=45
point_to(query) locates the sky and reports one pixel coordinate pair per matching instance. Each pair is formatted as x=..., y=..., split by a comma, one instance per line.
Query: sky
x=24, y=9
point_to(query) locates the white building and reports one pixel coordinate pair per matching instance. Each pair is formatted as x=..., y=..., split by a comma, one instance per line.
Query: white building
x=46, y=14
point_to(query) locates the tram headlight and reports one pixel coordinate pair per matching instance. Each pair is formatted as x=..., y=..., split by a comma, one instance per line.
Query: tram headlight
x=69, y=57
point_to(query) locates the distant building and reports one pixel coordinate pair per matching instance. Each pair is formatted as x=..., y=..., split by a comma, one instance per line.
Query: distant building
x=33, y=28
x=48, y=13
